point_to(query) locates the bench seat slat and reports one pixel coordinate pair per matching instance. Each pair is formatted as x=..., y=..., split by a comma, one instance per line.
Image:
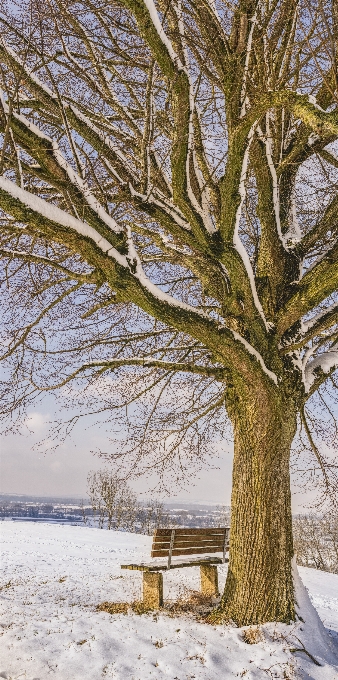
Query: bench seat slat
x=174, y=565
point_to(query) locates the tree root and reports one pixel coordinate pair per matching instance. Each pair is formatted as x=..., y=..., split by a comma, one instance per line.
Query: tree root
x=217, y=617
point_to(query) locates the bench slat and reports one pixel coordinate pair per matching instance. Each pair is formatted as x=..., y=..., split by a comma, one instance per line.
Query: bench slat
x=183, y=541
x=174, y=565
x=188, y=541
x=190, y=532
x=211, y=547
x=186, y=551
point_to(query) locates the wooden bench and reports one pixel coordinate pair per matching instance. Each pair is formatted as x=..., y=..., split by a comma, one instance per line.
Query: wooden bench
x=171, y=543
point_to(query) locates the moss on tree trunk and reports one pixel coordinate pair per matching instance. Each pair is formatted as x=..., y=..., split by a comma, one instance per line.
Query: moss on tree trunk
x=259, y=584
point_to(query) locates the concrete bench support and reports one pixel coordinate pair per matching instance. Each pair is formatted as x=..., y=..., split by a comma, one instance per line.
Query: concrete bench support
x=209, y=580
x=152, y=590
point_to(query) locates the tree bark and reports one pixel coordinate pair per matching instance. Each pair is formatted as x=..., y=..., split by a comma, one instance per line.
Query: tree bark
x=259, y=584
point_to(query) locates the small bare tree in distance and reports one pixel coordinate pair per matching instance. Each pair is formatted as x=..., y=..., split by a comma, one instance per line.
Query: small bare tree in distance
x=117, y=506
x=113, y=500
x=169, y=244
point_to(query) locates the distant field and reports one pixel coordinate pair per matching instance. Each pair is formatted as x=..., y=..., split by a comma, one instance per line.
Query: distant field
x=78, y=511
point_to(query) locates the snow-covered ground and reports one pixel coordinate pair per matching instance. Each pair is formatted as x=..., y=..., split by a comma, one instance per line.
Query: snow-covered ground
x=53, y=577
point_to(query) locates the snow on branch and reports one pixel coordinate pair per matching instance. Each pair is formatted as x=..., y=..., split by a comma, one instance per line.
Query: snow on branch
x=57, y=217
x=211, y=4
x=323, y=363
x=244, y=98
x=293, y=235
x=81, y=123
x=257, y=356
x=158, y=25
x=236, y=238
x=308, y=325
x=191, y=159
x=162, y=203
x=23, y=69
x=105, y=140
x=267, y=140
x=50, y=148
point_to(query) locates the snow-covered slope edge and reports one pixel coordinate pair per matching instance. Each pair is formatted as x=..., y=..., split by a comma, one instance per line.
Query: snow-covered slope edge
x=312, y=635
x=53, y=577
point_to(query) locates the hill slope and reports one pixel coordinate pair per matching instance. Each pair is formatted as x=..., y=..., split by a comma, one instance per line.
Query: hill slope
x=54, y=576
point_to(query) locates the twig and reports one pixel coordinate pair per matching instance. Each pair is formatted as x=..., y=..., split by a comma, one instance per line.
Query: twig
x=302, y=649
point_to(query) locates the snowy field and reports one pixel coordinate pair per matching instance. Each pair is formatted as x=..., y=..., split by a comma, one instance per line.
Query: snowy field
x=54, y=576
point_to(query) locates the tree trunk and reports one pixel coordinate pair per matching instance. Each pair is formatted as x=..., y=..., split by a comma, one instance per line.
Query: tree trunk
x=259, y=585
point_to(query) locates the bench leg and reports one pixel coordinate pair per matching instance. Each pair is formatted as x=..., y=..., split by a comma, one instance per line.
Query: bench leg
x=152, y=589
x=209, y=580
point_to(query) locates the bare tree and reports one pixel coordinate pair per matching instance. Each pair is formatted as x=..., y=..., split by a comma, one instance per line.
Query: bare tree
x=316, y=541
x=223, y=519
x=151, y=515
x=83, y=513
x=95, y=498
x=113, y=500
x=169, y=237
x=117, y=505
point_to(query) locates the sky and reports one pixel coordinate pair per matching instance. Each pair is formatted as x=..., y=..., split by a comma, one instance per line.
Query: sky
x=24, y=469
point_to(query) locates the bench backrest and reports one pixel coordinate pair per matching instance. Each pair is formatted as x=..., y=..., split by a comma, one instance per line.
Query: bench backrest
x=172, y=542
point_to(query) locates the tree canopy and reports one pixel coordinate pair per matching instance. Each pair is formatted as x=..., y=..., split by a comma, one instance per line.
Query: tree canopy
x=169, y=202
x=169, y=234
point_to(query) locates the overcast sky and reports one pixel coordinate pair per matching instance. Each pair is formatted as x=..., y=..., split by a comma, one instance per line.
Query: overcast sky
x=63, y=472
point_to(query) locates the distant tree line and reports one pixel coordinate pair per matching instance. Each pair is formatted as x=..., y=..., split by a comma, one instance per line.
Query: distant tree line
x=39, y=511
x=114, y=505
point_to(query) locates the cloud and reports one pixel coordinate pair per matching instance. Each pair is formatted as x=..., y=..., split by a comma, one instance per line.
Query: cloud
x=36, y=421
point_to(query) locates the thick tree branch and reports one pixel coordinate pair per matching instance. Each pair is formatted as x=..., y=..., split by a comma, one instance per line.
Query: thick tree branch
x=317, y=284
x=127, y=278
